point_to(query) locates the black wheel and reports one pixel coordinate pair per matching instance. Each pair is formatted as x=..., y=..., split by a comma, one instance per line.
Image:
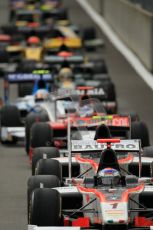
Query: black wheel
x=41, y=152
x=139, y=130
x=100, y=66
x=89, y=33
x=45, y=208
x=72, y=201
x=147, y=169
x=145, y=198
x=41, y=135
x=134, y=117
x=49, y=167
x=30, y=120
x=10, y=116
x=34, y=182
x=63, y=15
x=148, y=151
x=4, y=56
x=110, y=90
x=25, y=89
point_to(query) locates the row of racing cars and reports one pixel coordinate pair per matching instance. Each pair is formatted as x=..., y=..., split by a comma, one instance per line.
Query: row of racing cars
x=91, y=167
x=88, y=171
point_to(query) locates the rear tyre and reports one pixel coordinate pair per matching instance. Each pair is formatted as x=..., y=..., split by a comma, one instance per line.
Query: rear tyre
x=145, y=198
x=109, y=88
x=89, y=33
x=30, y=120
x=46, y=208
x=10, y=117
x=139, y=130
x=134, y=117
x=148, y=151
x=100, y=66
x=41, y=153
x=49, y=167
x=41, y=135
x=35, y=182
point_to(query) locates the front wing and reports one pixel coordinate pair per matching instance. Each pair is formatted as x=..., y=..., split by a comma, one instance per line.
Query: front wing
x=33, y=227
x=7, y=133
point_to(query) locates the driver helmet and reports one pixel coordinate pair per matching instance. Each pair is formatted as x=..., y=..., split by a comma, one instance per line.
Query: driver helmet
x=86, y=111
x=65, y=78
x=33, y=40
x=41, y=95
x=108, y=177
x=65, y=73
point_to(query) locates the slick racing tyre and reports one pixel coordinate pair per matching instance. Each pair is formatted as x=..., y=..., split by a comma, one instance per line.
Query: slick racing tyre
x=41, y=135
x=10, y=117
x=148, y=151
x=89, y=33
x=4, y=57
x=45, y=208
x=49, y=167
x=30, y=120
x=146, y=170
x=53, y=167
x=34, y=182
x=75, y=169
x=139, y=130
x=109, y=89
x=145, y=198
x=41, y=153
x=72, y=201
x=134, y=117
x=100, y=66
x=63, y=15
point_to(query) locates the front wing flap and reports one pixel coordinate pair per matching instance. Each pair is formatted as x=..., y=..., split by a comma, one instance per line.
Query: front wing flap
x=33, y=227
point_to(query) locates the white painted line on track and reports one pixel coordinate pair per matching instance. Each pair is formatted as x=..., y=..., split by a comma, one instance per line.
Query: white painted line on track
x=119, y=45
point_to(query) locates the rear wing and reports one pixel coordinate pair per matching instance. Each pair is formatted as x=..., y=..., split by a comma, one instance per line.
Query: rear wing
x=121, y=122
x=75, y=97
x=35, y=76
x=78, y=146
x=64, y=93
x=28, y=77
x=54, y=13
x=54, y=59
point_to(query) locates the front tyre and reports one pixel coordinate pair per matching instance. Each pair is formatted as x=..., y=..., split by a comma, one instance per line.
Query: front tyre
x=46, y=208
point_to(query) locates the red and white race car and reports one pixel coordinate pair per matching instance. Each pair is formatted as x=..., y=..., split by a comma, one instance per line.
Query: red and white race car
x=108, y=200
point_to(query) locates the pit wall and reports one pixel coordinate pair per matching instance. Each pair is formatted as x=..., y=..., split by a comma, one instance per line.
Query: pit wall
x=133, y=24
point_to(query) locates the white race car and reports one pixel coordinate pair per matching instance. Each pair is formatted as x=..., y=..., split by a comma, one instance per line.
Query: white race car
x=109, y=200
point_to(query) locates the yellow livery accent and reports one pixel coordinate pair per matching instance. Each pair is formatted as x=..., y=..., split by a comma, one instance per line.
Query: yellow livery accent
x=69, y=42
x=63, y=22
x=21, y=23
x=33, y=53
x=14, y=48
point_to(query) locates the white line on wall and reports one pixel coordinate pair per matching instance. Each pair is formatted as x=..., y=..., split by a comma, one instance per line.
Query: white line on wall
x=116, y=41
